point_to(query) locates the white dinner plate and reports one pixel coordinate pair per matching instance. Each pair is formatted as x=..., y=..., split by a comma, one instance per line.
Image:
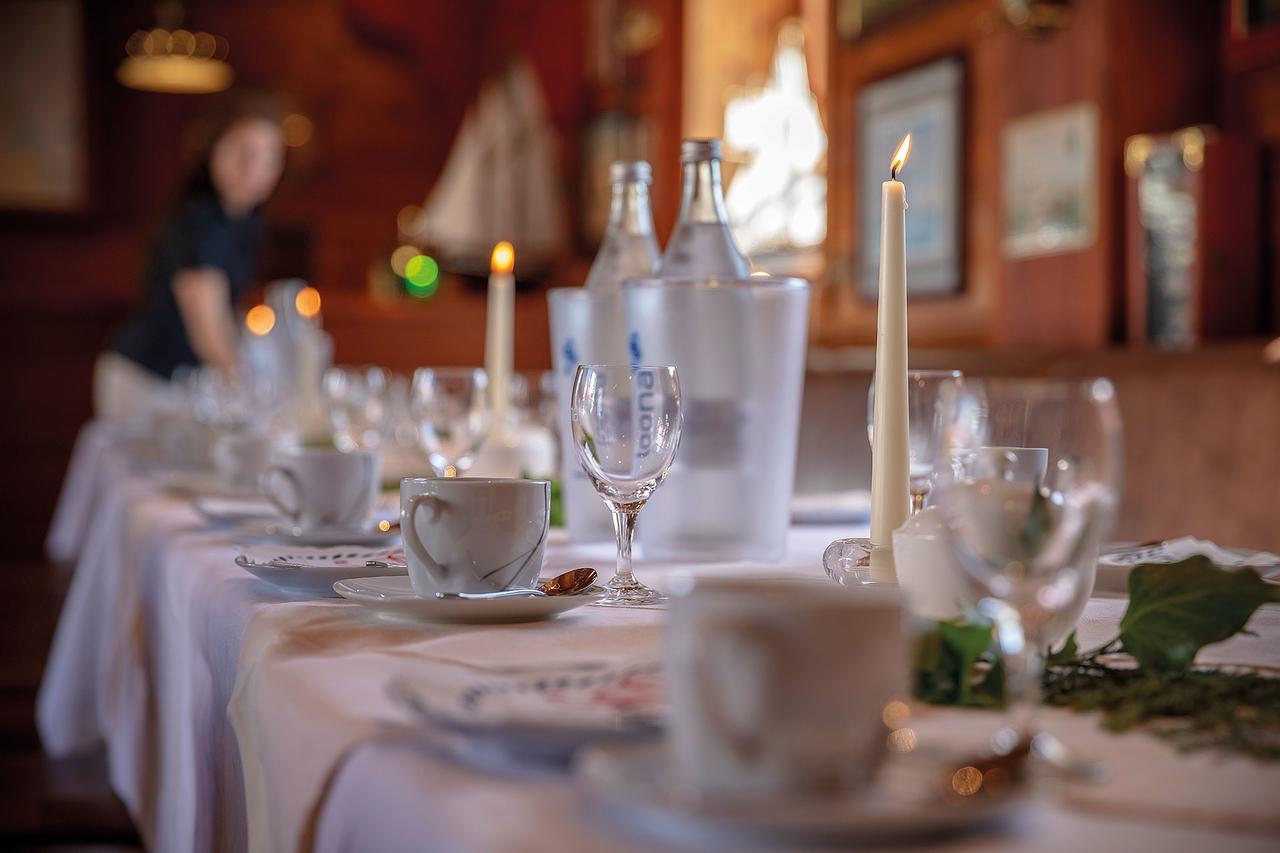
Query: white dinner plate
x=313, y=571
x=542, y=715
x=1117, y=560
x=228, y=512
x=394, y=597
x=202, y=483
x=910, y=800
x=278, y=532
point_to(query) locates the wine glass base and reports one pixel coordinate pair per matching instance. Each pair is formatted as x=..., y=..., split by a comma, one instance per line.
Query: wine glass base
x=629, y=593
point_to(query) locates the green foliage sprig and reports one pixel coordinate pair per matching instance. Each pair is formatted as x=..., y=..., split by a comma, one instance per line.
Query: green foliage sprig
x=1145, y=675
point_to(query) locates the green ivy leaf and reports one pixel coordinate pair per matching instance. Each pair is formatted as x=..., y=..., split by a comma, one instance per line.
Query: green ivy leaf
x=946, y=666
x=1066, y=654
x=1176, y=609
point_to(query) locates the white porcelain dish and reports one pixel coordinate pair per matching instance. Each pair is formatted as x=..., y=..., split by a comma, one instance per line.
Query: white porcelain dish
x=312, y=572
x=636, y=787
x=394, y=597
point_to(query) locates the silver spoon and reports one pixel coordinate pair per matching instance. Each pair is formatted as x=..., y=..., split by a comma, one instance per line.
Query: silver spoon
x=568, y=583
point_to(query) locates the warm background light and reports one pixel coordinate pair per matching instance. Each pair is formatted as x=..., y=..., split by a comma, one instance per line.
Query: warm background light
x=504, y=258
x=307, y=302
x=260, y=320
x=297, y=130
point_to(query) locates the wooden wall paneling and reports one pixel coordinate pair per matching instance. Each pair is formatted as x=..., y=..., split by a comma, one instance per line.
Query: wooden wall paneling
x=843, y=317
x=1146, y=64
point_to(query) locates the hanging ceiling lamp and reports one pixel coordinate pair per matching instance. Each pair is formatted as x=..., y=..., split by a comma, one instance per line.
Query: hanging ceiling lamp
x=171, y=59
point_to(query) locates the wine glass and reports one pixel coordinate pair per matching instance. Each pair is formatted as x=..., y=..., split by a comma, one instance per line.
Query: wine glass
x=922, y=407
x=626, y=428
x=358, y=399
x=451, y=406
x=1023, y=519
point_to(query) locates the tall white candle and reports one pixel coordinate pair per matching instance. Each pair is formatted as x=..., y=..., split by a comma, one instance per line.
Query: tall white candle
x=890, y=460
x=500, y=329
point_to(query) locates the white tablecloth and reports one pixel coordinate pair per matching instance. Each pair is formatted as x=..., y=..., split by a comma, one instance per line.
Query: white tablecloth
x=182, y=663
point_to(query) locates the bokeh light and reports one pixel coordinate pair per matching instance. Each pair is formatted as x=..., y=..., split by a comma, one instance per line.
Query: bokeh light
x=400, y=259
x=421, y=275
x=260, y=320
x=297, y=130
x=307, y=302
x=407, y=220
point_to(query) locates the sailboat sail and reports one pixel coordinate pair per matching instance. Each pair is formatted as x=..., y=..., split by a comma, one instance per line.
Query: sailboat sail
x=501, y=181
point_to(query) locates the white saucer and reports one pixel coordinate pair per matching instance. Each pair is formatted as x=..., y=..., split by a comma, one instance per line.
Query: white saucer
x=541, y=715
x=313, y=571
x=394, y=596
x=228, y=512
x=636, y=786
x=199, y=483
x=276, y=531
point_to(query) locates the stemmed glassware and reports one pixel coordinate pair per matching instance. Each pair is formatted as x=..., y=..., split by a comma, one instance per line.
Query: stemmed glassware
x=1023, y=520
x=626, y=428
x=922, y=407
x=451, y=407
x=359, y=403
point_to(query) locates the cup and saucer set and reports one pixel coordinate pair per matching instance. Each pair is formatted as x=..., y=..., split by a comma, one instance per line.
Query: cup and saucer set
x=298, y=496
x=472, y=552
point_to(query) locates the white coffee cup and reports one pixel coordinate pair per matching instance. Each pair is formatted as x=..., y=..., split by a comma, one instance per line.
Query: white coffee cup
x=241, y=457
x=778, y=687
x=473, y=534
x=934, y=583
x=323, y=487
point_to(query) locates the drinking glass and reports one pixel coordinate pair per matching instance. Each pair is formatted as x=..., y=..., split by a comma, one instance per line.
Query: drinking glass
x=922, y=408
x=1021, y=536
x=451, y=407
x=358, y=399
x=626, y=428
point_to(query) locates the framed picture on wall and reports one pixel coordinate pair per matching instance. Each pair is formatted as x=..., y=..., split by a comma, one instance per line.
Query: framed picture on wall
x=1050, y=181
x=42, y=124
x=926, y=102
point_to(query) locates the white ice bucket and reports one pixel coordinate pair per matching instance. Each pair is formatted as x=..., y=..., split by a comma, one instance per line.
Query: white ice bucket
x=586, y=328
x=740, y=349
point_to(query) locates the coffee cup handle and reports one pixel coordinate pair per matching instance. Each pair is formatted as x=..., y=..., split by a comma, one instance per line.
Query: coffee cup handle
x=764, y=648
x=409, y=530
x=293, y=513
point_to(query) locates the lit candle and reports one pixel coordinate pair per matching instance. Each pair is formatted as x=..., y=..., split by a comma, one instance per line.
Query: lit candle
x=890, y=495
x=500, y=331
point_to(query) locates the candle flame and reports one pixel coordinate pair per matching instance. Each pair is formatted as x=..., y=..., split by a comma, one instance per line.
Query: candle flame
x=260, y=320
x=900, y=157
x=503, y=259
x=307, y=302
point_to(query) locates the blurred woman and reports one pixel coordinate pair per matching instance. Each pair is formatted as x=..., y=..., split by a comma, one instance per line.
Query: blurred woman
x=201, y=262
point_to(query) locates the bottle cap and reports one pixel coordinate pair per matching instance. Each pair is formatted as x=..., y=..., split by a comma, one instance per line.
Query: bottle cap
x=629, y=171
x=696, y=150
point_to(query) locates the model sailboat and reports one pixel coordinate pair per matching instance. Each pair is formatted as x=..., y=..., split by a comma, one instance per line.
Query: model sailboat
x=501, y=182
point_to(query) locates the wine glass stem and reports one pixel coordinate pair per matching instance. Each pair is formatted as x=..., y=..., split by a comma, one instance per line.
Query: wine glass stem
x=1024, y=669
x=624, y=525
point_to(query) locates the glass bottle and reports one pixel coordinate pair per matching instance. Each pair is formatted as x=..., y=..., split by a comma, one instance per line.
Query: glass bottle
x=701, y=245
x=630, y=247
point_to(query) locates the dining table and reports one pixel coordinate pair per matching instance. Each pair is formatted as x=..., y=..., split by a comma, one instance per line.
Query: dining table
x=238, y=717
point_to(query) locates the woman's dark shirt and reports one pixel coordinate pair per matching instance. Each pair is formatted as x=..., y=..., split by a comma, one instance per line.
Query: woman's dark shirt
x=201, y=235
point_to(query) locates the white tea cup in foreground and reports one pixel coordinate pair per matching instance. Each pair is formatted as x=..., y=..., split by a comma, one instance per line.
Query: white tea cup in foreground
x=241, y=457
x=323, y=487
x=473, y=534
x=778, y=687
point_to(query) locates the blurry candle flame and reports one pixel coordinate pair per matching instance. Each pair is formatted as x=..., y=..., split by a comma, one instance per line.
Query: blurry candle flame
x=900, y=157
x=260, y=320
x=384, y=525
x=307, y=302
x=504, y=258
